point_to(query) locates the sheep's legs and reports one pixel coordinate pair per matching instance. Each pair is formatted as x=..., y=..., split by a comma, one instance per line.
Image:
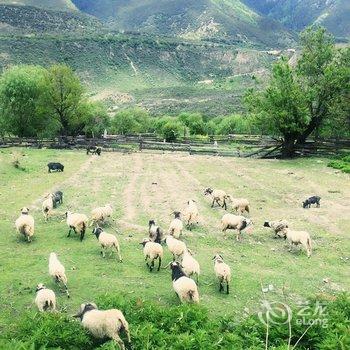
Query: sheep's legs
x=212, y=204
x=119, y=256
x=227, y=288
x=82, y=234
x=221, y=288
x=160, y=263
x=117, y=339
x=224, y=205
x=69, y=232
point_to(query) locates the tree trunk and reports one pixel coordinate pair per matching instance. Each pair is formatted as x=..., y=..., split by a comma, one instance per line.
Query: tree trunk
x=288, y=148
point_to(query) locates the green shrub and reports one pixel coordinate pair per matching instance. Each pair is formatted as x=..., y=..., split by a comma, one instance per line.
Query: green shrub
x=51, y=330
x=185, y=327
x=342, y=164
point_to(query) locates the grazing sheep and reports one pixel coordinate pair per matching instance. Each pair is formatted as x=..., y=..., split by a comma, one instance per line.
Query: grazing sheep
x=99, y=215
x=93, y=150
x=190, y=265
x=219, y=196
x=45, y=298
x=276, y=226
x=296, y=238
x=152, y=251
x=55, y=167
x=107, y=241
x=104, y=323
x=25, y=224
x=184, y=287
x=57, y=198
x=175, y=246
x=240, y=205
x=191, y=213
x=47, y=206
x=155, y=232
x=77, y=222
x=176, y=226
x=312, y=200
x=234, y=222
x=57, y=271
x=222, y=272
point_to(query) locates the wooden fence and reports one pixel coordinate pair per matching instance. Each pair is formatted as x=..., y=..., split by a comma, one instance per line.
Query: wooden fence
x=236, y=145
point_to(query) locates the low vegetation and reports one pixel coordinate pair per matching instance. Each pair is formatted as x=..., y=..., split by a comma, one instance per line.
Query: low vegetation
x=342, y=164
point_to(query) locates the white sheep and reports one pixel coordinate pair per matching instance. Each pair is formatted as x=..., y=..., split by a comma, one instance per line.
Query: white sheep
x=296, y=238
x=175, y=246
x=77, y=222
x=57, y=271
x=155, y=232
x=45, y=298
x=176, y=226
x=152, y=251
x=48, y=205
x=104, y=323
x=240, y=205
x=107, y=240
x=234, y=222
x=190, y=265
x=191, y=213
x=100, y=214
x=184, y=287
x=222, y=272
x=25, y=224
x=276, y=226
x=219, y=197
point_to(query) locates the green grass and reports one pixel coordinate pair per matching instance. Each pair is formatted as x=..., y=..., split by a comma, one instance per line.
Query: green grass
x=125, y=181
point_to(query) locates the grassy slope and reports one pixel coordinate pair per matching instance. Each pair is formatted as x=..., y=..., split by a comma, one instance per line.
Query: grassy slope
x=220, y=19
x=126, y=182
x=297, y=15
x=58, y=5
x=162, y=66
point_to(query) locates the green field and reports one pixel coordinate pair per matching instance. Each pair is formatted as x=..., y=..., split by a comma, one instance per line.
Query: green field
x=274, y=188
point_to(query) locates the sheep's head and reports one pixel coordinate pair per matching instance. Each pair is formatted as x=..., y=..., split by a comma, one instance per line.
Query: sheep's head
x=97, y=231
x=208, y=191
x=305, y=203
x=191, y=201
x=24, y=210
x=218, y=258
x=151, y=222
x=282, y=233
x=145, y=241
x=267, y=224
x=177, y=214
x=40, y=286
x=85, y=308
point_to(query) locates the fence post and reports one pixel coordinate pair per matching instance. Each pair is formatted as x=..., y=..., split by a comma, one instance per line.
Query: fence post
x=141, y=144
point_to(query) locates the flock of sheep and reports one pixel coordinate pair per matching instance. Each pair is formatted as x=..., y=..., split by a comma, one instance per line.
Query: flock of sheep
x=185, y=269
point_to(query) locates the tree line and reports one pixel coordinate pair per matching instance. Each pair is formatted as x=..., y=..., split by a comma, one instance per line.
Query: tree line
x=309, y=97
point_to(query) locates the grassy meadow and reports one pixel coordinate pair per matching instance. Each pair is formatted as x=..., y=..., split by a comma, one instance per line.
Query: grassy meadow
x=142, y=186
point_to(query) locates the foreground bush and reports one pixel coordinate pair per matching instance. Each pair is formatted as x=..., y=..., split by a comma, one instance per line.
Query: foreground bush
x=187, y=327
x=342, y=164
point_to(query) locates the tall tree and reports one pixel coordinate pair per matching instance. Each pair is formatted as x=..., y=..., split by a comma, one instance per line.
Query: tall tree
x=20, y=90
x=64, y=96
x=324, y=74
x=299, y=101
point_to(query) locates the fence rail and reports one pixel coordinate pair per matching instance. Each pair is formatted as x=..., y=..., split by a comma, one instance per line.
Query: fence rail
x=237, y=145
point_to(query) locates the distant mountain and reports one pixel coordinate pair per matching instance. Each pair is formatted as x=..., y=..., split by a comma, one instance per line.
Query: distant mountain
x=33, y=20
x=297, y=14
x=227, y=20
x=58, y=5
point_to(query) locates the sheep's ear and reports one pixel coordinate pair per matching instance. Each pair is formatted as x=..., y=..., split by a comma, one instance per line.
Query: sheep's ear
x=221, y=257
